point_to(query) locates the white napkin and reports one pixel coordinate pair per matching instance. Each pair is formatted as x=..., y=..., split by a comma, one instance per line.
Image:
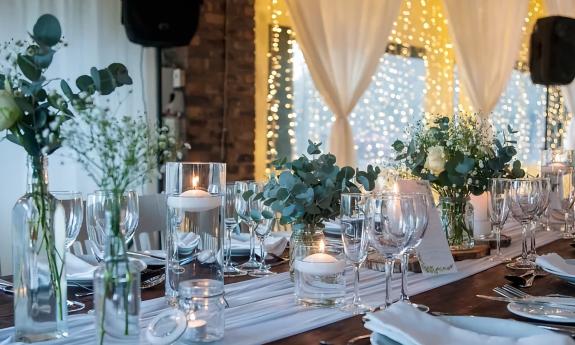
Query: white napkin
x=188, y=240
x=78, y=269
x=408, y=326
x=556, y=263
x=274, y=245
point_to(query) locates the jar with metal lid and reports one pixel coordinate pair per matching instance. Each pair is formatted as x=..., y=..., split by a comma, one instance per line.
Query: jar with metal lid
x=202, y=300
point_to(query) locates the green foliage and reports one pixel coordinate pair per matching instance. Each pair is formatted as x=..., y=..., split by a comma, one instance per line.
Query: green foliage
x=45, y=109
x=307, y=191
x=458, y=157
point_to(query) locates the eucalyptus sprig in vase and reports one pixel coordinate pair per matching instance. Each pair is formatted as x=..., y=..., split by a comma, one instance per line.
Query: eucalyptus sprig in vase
x=32, y=112
x=307, y=192
x=118, y=153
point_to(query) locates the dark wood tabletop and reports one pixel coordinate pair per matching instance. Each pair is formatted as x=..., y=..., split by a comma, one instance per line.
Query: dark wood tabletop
x=457, y=298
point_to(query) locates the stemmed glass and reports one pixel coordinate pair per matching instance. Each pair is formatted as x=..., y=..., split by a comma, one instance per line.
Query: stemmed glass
x=243, y=209
x=96, y=216
x=566, y=192
x=262, y=216
x=390, y=230
x=230, y=222
x=420, y=204
x=544, y=190
x=525, y=198
x=498, y=204
x=355, y=214
x=70, y=203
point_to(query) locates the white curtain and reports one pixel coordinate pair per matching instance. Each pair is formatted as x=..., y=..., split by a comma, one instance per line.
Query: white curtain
x=487, y=38
x=342, y=42
x=95, y=37
x=565, y=8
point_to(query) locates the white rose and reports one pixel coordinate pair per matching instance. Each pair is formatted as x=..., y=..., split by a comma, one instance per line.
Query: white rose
x=9, y=110
x=435, y=161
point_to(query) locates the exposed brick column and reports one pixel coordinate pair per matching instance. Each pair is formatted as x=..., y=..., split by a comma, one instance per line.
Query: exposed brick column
x=205, y=76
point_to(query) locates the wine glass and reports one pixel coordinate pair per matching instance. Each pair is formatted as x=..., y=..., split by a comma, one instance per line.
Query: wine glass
x=263, y=219
x=355, y=214
x=566, y=190
x=243, y=209
x=420, y=204
x=544, y=190
x=70, y=203
x=498, y=204
x=525, y=199
x=390, y=230
x=96, y=216
x=230, y=222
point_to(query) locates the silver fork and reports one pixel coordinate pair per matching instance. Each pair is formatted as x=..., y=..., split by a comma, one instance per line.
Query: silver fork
x=521, y=294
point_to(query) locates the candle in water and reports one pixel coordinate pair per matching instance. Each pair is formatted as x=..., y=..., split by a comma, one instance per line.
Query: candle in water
x=320, y=264
x=195, y=200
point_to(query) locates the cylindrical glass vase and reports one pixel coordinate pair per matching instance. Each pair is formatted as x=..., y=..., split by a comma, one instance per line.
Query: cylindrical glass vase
x=39, y=236
x=457, y=222
x=302, y=243
x=195, y=229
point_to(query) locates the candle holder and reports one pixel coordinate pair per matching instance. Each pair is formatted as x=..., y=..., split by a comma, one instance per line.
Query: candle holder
x=202, y=300
x=319, y=275
x=194, y=238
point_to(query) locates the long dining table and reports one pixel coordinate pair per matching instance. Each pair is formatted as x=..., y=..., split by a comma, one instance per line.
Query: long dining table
x=456, y=298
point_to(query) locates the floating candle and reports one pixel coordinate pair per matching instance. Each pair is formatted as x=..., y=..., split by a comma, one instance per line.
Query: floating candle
x=320, y=264
x=195, y=200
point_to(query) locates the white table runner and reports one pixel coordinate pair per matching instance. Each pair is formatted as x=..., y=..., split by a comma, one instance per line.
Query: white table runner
x=263, y=310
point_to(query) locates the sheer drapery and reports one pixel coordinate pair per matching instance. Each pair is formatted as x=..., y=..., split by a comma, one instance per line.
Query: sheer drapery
x=486, y=36
x=565, y=8
x=342, y=42
x=95, y=37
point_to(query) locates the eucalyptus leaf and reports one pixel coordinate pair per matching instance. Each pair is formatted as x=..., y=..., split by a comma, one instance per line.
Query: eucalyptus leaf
x=47, y=30
x=28, y=67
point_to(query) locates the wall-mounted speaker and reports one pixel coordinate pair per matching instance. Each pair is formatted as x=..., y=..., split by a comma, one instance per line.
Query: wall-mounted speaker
x=164, y=23
x=552, y=51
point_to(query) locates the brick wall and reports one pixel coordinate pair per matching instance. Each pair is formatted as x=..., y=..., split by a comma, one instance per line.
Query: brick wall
x=205, y=79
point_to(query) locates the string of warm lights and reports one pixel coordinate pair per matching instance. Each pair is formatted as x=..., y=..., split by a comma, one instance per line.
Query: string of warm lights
x=395, y=98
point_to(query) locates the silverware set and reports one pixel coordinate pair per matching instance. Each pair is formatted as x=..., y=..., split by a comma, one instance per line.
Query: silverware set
x=73, y=306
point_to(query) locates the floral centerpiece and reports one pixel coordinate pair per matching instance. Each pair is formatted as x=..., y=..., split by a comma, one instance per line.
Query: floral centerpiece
x=118, y=153
x=458, y=157
x=307, y=192
x=32, y=112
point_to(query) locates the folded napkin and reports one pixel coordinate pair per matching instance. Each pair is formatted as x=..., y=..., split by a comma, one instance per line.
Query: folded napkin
x=188, y=240
x=406, y=325
x=274, y=245
x=556, y=263
x=78, y=269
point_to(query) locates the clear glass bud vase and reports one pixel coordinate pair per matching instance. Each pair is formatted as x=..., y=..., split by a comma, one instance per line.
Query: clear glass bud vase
x=116, y=283
x=457, y=221
x=39, y=234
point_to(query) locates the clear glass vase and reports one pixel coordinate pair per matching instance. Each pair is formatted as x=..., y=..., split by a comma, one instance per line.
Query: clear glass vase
x=116, y=284
x=303, y=243
x=457, y=221
x=39, y=237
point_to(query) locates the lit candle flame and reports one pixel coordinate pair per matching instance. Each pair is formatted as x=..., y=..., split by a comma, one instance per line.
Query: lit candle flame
x=195, y=180
x=321, y=246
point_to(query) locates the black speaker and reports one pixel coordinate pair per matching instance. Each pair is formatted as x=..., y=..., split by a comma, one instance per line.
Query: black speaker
x=552, y=51
x=165, y=23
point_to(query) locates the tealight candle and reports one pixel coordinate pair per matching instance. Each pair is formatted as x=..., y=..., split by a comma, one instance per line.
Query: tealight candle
x=195, y=200
x=196, y=330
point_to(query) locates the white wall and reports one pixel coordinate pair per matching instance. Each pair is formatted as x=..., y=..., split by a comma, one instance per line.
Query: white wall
x=95, y=37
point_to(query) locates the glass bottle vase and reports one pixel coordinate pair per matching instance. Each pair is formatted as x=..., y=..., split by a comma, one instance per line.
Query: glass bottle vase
x=457, y=221
x=39, y=237
x=116, y=283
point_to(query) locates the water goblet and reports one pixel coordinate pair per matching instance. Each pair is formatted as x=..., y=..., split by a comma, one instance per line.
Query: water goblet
x=498, y=203
x=243, y=210
x=355, y=216
x=393, y=224
x=263, y=219
x=420, y=204
x=544, y=190
x=230, y=222
x=69, y=204
x=96, y=216
x=525, y=199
